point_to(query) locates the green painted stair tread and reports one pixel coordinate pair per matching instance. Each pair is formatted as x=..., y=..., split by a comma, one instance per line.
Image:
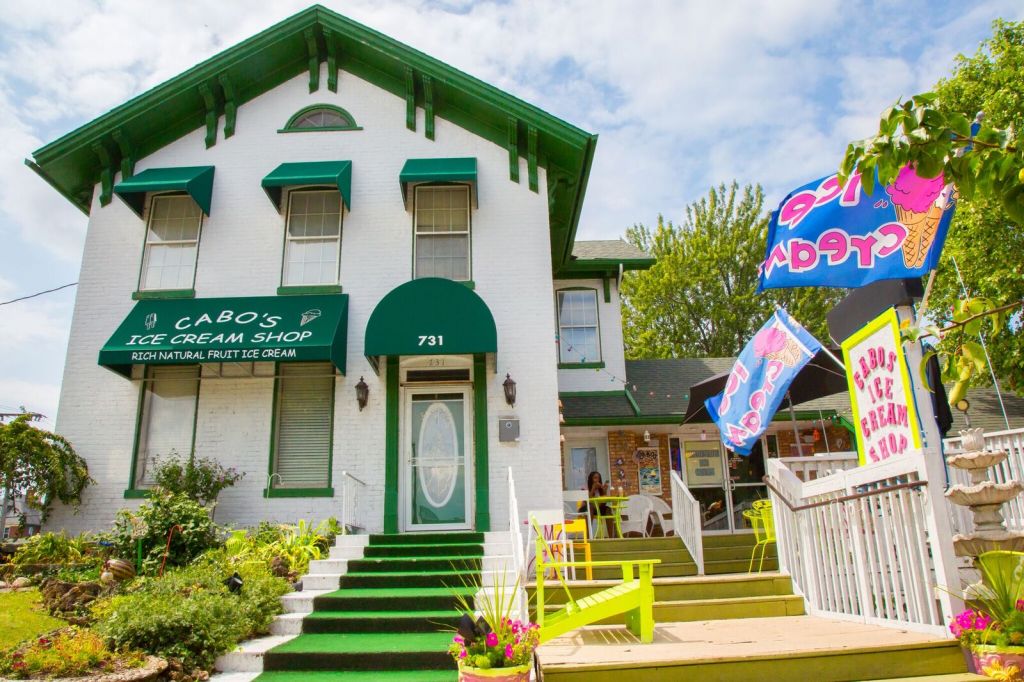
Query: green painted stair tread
x=427, y=538
x=366, y=643
x=382, y=615
x=358, y=676
x=404, y=574
x=443, y=557
x=384, y=592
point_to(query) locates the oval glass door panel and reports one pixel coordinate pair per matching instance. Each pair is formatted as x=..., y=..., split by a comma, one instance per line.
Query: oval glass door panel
x=438, y=463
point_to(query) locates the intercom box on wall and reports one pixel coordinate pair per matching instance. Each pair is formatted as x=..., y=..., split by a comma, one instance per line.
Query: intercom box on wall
x=508, y=430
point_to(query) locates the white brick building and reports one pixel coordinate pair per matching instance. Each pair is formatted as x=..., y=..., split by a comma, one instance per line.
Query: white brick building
x=404, y=175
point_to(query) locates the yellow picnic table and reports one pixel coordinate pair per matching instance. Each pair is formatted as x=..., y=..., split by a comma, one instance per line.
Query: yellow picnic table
x=615, y=504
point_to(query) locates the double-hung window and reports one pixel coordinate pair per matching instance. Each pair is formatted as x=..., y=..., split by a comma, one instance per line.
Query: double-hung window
x=579, y=339
x=442, y=234
x=172, y=242
x=312, y=249
x=167, y=419
x=303, y=426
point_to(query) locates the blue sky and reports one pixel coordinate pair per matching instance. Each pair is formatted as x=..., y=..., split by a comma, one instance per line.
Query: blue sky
x=684, y=95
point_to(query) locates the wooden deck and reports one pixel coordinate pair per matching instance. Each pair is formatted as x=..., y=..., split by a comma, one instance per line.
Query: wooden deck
x=785, y=648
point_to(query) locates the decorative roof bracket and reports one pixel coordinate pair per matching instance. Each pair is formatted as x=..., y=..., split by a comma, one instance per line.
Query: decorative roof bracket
x=230, y=104
x=428, y=106
x=333, y=54
x=128, y=155
x=531, y=158
x=102, y=153
x=211, y=114
x=513, y=149
x=313, y=52
x=410, y=99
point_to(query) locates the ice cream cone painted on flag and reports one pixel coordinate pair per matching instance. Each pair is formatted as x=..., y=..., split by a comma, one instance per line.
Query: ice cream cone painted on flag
x=919, y=203
x=775, y=344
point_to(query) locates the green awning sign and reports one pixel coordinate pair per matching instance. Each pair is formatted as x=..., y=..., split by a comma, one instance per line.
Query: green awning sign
x=253, y=329
x=430, y=316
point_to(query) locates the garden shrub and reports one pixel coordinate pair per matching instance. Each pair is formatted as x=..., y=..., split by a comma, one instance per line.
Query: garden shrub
x=70, y=652
x=189, y=614
x=199, y=478
x=195, y=532
x=56, y=548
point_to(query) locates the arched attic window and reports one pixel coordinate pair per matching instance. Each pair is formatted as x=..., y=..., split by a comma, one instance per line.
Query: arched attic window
x=320, y=117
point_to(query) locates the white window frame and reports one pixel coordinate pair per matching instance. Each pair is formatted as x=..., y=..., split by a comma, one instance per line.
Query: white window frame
x=416, y=234
x=148, y=242
x=562, y=347
x=289, y=239
x=141, y=459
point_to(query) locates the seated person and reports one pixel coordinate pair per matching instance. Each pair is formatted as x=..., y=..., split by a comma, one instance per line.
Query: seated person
x=597, y=488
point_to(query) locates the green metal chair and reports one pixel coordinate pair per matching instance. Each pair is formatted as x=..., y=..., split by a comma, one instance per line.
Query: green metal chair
x=761, y=520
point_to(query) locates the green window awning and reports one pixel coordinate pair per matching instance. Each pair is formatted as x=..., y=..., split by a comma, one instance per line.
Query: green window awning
x=430, y=316
x=251, y=329
x=335, y=173
x=438, y=170
x=196, y=181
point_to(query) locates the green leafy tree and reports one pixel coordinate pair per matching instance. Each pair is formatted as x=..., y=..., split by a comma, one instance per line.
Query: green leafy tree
x=39, y=465
x=699, y=299
x=932, y=131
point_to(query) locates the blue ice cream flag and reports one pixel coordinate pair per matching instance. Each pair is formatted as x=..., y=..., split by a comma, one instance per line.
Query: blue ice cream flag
x=759, y=380
x=825, y=235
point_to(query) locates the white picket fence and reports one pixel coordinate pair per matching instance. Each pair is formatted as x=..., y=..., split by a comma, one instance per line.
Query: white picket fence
x=813, y=467
x=866, y=543
x=687, y=520
x=1012, y=442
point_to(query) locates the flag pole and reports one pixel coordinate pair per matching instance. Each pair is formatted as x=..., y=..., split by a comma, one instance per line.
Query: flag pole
x=825, y=350
x=792, y=420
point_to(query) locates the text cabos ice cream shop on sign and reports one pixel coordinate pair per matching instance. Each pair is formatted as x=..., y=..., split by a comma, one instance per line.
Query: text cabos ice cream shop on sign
x=880, y=391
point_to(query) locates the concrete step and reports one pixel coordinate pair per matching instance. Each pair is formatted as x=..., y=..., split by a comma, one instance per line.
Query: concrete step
x=287, y=624
x=321, y=581
x=301, y=602
x=248, y=656
x=322, y=566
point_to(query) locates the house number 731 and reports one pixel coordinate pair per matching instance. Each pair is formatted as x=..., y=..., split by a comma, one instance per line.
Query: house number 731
x=431, y=340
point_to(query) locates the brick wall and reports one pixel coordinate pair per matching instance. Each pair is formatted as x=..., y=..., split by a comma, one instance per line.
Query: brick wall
x=622, y=445
x=240, y=255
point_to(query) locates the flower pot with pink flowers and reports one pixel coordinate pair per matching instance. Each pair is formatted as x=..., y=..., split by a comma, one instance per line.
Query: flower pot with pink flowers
x=490, y=644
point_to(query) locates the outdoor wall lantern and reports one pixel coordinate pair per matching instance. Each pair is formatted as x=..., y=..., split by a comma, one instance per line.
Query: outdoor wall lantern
x=510, y=390
x=362, y=394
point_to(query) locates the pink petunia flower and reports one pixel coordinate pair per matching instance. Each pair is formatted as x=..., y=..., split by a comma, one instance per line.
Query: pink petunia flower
x=462, y=654
x=458, y=639
x=508, y=651
x=492, y=639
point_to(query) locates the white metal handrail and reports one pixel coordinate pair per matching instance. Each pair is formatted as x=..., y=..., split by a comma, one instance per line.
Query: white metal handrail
x=866, y=544
x=515, y=528
x=816, y=466
x=350, y=492
x=687, y=520
x=1012, y=442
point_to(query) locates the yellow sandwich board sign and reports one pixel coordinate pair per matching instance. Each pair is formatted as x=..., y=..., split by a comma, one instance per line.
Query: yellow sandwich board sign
x=880, y=391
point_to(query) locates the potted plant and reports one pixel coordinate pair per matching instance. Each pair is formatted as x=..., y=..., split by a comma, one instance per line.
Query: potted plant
x=490, y=644
x=991, y=629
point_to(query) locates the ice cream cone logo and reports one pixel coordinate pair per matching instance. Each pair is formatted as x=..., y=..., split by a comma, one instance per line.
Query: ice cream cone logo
x=775, y=344
x=309, y=316
x=150, y=320
x=919, y=203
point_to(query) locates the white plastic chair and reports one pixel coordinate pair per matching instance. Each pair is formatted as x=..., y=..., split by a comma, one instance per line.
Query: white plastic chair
x=663, y=511
x=636, y=514
x=576, y=503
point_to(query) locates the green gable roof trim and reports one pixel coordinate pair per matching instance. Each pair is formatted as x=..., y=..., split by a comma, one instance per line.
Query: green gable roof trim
x=438, y=170
x=196, y=181
x=335, y=173
x=603, y=258
x=198, y=98
x=430, y=316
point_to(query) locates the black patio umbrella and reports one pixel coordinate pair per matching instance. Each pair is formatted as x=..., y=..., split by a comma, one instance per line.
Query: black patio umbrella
x=819, y=377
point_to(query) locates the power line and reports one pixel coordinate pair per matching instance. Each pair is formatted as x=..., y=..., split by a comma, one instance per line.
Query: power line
x=38, y=293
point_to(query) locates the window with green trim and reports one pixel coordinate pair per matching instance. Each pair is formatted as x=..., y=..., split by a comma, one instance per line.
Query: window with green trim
x=303, y=426
x=579, y=340
x=172, y=243
x=442, y=232
x=321, y=117
x=167, y=419
x=312, y=242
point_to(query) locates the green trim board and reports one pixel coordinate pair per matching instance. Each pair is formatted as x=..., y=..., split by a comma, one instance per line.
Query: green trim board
x=309, y=289
x=594, y=268
x=334, y=173
x=391, y=408
x=581, y=365
x=196, y=181
x=259, y=328
x=433, y=171
x=136, y=494
x=163, y=293
x=258, y=64
x=430, y=316
x=297, y=492
x=481, y=466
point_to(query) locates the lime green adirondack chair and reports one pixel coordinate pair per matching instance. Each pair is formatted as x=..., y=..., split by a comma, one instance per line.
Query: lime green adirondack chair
x=763, y=523
x=633, y=597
